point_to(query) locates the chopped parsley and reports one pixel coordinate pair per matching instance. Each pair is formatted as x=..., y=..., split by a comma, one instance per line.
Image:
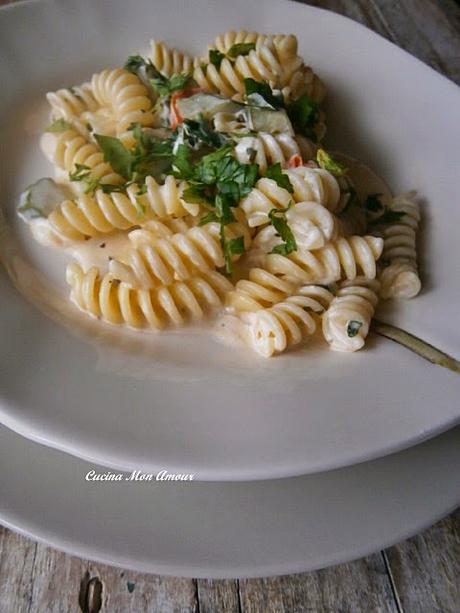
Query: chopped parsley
x=303, y=113
x=262, y=89
x=240, y=49
x=163, y=86
x=149, y=156
x=59, y=125
x=373, y=203
x=353, y=328
x=198, y=132
x=327, y=162
x=219, y=182
x=116, y=154
x=389, y=217
x=166, y=87
x=83, y=173
x=275, y=173
x=216, y=57
x=278, y=220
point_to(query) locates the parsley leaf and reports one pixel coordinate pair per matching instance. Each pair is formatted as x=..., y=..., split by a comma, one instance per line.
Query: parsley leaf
x=263, y=89
x=240, y=49
x=199, y=132
x=278, y=220
x=234, y=246
x=134, y=63
x=372, y=203
x=353, y=328
x=219, y=182
x=59, y=125
x=83, y=173
x=116, y=154
x=182, y=166
x=215, y=58
x=275, y=173
x=328, y=163
x=303, y=113
x=165, y=87
x=390, y=217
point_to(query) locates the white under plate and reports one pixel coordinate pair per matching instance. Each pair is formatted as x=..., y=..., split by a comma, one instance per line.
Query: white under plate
x=232, y=529
x=184, y=401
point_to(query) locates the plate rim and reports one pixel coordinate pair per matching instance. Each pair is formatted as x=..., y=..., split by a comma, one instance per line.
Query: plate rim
x=71, y=546
x=24, y=428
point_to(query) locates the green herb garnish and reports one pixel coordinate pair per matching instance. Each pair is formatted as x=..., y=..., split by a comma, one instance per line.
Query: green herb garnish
x=215, y=58
x=389, y=217
x=240, y=49
x=198, y=132
x=59, y=125
x=165, y=87
x=263, y=89
x=303, y=113
x=327, y=162
x=116, y=154
x=278, y=220
x=219, y=182
x=83, y=173
x=275, y=173
x=373, y=203
x=353, y=328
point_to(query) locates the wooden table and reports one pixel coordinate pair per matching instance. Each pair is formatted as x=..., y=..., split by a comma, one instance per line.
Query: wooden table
x=419, y=575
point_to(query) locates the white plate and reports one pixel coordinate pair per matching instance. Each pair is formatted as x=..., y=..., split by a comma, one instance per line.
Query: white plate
x=232, y=529
x=186, y=402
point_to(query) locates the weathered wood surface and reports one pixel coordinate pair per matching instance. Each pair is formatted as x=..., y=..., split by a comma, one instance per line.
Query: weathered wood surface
x=418, y=575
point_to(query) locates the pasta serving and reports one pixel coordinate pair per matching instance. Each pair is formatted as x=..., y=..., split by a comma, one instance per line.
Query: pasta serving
x=206, y=181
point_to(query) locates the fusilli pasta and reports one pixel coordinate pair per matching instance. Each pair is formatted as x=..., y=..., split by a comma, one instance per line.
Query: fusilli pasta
x=69, y=148
x=118, y=303
x=103, y=213
x=344, y=256
x=399, y=278
x=288, y=323
x=266, y=149
x=169, y=61
x=128, y=98
x=346, y=322
x=72, y=102
x=176, y=167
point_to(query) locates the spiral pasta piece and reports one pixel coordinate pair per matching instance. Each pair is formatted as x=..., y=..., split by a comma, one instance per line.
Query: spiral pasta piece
x=103, y=213
x=316, y=185
x=288, y=323
x=169, y=61
x=163, y=261
x=346, y=322
x=260, y=64
x=259, y=290
x=66, y=149
x=344, y=257
x=266, y=149
x=303, y=81
x=71, y=103
x=400, y=277
x=124, y=93
x=116, y=302
x=286, y=44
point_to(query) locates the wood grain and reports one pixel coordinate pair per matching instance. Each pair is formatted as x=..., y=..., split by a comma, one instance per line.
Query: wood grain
x=358, y=587
x=425, y=570
x=418, y=575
